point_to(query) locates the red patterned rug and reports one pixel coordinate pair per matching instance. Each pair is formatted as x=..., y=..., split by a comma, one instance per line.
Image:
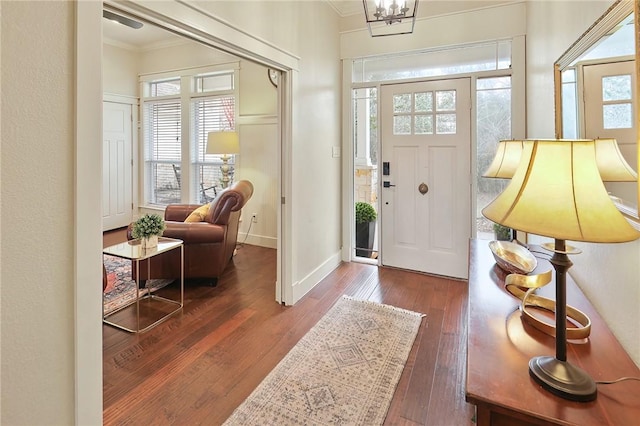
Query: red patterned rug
x=121, y=289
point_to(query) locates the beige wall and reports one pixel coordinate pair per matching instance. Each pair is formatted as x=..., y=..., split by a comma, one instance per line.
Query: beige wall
x=119, y=71
x=309, y=31
x=37, y=210
x=609, y=274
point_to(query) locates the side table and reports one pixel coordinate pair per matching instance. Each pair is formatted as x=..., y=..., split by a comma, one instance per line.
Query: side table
x=133, y=251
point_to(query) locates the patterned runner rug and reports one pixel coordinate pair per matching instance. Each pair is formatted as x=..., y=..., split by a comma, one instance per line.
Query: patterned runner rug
x=343, y=371
x=121, y=289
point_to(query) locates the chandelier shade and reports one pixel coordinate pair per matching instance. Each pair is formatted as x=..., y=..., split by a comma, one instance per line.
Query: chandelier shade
x=390, y=17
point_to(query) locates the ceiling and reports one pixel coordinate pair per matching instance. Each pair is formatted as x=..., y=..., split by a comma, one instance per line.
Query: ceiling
x=150, y=36
x=347, y=7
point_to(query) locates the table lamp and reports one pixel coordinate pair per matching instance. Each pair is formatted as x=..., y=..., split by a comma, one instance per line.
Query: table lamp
x=504, y=165
x=557, y=192
x=225, y=143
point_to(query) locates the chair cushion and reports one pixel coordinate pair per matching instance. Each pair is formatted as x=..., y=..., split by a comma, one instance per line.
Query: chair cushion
x=198, y=214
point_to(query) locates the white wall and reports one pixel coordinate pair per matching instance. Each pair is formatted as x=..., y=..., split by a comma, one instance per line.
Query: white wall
x=119, y=71
x=308, y=30
x=37, y=210
x=609, y=274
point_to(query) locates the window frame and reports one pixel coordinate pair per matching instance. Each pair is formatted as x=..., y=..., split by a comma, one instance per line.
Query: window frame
x=187, y=172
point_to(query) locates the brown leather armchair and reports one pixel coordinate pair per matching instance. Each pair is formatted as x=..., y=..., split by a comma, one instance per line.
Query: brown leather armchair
x=208, y=245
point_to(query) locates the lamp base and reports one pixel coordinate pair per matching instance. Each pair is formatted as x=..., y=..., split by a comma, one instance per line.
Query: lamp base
x=562, y=378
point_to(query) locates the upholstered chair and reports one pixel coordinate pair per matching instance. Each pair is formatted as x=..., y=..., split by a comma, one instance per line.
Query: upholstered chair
x=209, y=233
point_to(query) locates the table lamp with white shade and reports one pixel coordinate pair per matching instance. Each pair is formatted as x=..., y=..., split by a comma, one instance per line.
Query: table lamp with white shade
x=225, y=143
x=557, y=192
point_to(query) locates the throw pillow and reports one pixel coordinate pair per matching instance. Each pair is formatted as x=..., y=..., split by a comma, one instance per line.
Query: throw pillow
x=198, y=214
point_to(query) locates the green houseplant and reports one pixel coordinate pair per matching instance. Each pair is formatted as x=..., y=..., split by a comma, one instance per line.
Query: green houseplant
x=503, y=233
x=148, y=228
x=365, y=228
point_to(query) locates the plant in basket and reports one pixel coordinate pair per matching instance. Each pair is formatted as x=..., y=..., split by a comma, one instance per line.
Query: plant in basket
x=148, y=228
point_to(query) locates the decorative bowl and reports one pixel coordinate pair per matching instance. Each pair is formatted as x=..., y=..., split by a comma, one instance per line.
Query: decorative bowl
x=512, y=257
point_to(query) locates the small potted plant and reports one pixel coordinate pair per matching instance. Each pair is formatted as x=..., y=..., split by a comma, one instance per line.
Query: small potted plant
x=503, y=233
x=148, y=228
x=365, y=228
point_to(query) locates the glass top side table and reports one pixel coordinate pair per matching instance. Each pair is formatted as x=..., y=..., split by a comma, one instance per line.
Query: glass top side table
x=133, y=251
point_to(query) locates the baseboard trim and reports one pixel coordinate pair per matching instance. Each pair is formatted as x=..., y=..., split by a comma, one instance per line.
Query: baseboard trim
x=305, y=285
x=258, y=240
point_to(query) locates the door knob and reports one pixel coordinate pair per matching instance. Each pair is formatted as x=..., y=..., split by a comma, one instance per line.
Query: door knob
x=423, y=188
x=387, y=184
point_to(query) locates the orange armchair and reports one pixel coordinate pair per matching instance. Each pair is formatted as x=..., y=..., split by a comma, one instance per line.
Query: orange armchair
x=208, y=245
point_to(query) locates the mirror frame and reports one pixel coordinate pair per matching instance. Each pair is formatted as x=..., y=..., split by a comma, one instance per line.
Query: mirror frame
x=618, y=11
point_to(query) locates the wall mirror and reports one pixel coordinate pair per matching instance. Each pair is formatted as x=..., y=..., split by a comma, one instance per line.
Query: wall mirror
x=596, y=86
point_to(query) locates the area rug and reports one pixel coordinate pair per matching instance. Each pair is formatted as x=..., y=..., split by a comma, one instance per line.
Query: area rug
x=344, y=371
x=121, y=289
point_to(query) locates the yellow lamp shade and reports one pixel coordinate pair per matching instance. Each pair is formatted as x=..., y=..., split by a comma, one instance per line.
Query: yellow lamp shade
x=612, y=165
x=223, y=143
x=557, y=192
x=506, y=160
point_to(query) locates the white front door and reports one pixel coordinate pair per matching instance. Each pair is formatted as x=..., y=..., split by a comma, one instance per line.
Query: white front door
x=610, y=112
x=117, y=201
x=426, y=207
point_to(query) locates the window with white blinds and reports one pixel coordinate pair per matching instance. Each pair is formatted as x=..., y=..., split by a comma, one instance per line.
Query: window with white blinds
x=162, y=125
x=214, y=113
x=209, y=96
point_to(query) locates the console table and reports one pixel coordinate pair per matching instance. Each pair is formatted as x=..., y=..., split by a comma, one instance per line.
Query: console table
x=500, y=346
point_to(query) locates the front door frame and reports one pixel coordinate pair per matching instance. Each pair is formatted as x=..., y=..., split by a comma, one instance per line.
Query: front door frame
x=462, y=226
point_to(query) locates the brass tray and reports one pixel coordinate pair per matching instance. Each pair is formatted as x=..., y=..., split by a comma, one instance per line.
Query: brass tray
x=512, y=257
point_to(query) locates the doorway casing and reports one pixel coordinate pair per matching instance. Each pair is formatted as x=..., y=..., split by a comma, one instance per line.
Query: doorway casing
x=198, y=25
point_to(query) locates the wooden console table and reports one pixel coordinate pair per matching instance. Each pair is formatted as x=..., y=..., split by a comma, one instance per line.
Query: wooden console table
x=500, y=346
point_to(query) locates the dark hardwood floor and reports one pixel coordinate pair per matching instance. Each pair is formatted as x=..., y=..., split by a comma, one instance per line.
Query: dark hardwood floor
x=199, y=365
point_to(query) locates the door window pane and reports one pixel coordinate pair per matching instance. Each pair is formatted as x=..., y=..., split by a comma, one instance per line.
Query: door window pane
x=446, y=100
x=445, y=124
x=616, y=88
x=617, y=116
x=424, y=102
x=402, y=125
x=424, y=125
x=402, y=103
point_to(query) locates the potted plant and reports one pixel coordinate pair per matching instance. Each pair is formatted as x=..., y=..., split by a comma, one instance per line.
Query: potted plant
x=502, y=233
x=148, y=228
x=365, y=228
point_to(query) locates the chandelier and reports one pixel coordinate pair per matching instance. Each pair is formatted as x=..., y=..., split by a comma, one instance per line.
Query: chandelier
x=390, y=17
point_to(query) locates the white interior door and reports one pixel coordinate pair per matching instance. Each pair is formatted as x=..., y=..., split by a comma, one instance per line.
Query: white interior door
x=117, y=201
x=610, y=112
x=426, y=209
